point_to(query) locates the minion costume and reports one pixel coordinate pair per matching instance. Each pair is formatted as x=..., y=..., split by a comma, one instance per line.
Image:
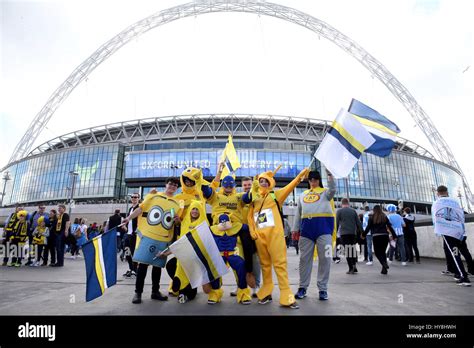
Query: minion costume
x=155, y=228
x=266, y=228
x=19, y=236
x=315, y=219
x=155, y=231
x=180, y=282
x=225, y=235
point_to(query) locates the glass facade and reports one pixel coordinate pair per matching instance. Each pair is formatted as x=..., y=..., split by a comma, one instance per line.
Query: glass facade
x=400, y=176
x=104, y=169
x=162, y=164
x=47, y=177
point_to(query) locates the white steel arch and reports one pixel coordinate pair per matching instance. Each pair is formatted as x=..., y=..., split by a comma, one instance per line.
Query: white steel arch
x=289, y=14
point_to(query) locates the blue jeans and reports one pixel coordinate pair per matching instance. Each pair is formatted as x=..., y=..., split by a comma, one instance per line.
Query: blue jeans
x=369, y=247
x=60, y=242
x=401, y=249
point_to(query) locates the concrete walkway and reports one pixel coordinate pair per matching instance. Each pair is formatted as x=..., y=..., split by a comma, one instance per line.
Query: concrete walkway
x=418, y=289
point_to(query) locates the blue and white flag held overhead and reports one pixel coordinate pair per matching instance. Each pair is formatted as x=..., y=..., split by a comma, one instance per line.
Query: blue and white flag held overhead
x=343, y=145
x=100, y=255
x=381, y=128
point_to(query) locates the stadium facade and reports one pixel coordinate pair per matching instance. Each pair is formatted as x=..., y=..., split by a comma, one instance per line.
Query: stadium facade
x=114, y=160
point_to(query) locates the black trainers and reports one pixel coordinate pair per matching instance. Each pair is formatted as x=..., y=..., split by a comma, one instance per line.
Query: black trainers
x=464, y=282
x=384, y=270
x=127, y=274
x=446, y=272
x=265, y=300
x=137, y=298
x=355, y=270
x=158, y=296
x=294, y=305
x=246, y=302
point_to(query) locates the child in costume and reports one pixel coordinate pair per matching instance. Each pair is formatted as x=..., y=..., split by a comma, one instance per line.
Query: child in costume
x=266, y=228
x=40, y=235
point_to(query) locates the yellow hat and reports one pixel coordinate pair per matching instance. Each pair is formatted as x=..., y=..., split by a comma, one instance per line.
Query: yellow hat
x=40, y=220
x=23, y=213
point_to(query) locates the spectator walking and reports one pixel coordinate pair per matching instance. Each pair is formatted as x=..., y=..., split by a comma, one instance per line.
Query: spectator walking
x=368, y=238
x=349, y=226
x=380, y=227
x=410, y=236
x=448, y=221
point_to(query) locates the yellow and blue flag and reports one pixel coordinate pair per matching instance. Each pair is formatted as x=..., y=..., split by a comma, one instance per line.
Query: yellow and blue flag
x=100, y=255
x=230, y=158
x=343, y=145
x=199, y=256
x=381, y=128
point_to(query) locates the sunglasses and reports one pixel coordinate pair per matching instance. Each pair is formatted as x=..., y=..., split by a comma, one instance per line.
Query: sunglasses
x=134, y=196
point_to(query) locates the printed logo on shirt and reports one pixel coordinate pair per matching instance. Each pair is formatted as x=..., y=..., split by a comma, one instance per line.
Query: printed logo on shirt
x=311, y=198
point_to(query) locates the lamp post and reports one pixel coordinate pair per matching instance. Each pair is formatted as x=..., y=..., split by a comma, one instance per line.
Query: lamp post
x=460, y=198
x=6, y=177
x=74, y=177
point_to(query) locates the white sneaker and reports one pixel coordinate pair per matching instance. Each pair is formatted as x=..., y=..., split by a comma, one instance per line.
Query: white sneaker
x=404, y=263
x=388, y=261
x=73, y=257
x=370, y=263
x=234, y=293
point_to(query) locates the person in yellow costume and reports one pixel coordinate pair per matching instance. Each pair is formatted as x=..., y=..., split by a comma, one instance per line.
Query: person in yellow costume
x=194, y=216
x=40, y=234
x=266, y=228
x=228, y=201
x=19, y=236
x=192, y=181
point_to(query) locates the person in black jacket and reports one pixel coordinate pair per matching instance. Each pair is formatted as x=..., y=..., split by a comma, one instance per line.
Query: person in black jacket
x=410, y=236
x=130, y=239
x=380, y=227
x=113, y=222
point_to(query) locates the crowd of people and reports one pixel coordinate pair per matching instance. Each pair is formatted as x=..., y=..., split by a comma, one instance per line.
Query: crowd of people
x=249, y=229
x=43, y=238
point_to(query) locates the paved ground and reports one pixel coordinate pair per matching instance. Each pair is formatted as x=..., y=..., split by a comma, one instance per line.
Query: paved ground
x=418, y=289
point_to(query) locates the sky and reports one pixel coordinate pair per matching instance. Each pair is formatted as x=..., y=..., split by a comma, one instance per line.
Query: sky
x=237, y=63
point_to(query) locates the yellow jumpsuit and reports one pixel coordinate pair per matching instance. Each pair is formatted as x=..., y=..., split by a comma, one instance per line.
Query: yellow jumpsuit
x=266, y=227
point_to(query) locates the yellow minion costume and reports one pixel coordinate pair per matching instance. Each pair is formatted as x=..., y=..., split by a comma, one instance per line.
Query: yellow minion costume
x=266, y=228
x=40, y=233
x=155, y=228
x=19, y=236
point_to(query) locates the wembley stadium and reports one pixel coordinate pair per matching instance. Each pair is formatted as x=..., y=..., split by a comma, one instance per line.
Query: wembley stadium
x=108, y=162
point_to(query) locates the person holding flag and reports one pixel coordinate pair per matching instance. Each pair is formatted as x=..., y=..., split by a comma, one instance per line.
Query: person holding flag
x=266, y=228
x=315, y=222
x=155, y=231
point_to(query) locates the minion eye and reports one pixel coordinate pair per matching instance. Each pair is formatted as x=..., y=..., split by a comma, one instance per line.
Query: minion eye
x=155, y=215
x=167, y=220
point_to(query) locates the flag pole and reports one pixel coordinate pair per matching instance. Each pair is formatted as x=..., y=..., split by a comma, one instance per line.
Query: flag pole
x=346, y=181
